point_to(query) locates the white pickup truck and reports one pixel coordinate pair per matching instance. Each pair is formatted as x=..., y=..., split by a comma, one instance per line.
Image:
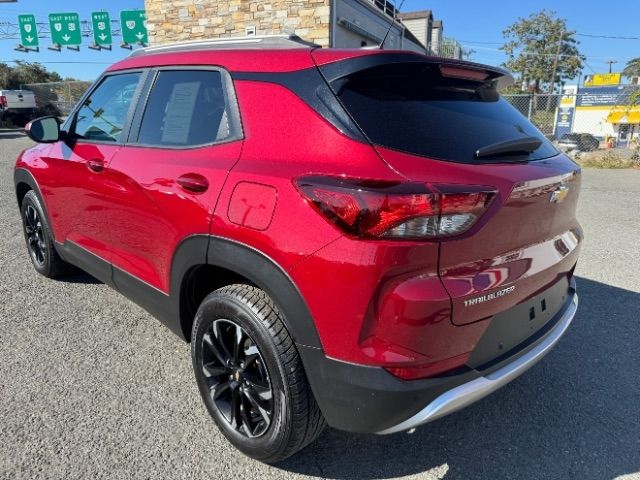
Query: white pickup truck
x=17, y=105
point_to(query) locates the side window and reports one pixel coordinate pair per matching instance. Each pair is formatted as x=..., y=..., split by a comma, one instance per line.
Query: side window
x=187, y=108
x=103, y=114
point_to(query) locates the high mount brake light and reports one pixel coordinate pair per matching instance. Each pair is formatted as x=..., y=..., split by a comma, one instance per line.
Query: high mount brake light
x=464, y=73
x=394, y=210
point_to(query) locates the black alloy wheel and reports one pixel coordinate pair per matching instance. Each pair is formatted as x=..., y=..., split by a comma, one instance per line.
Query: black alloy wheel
x=250, y=374
x=39, y=239
x=35, y=235
x=237, y=378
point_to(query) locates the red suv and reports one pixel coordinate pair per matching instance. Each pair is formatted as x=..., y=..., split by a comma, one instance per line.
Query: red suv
x=365, y=239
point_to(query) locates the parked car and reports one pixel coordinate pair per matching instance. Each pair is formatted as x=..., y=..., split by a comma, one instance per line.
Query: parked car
x=365, y=239
x=583, y=142
x=18, y=106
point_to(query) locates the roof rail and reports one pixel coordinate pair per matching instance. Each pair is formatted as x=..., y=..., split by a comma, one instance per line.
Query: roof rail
x=254, y=42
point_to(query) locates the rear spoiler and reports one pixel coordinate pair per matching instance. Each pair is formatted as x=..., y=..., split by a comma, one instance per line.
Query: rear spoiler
x=449, y=67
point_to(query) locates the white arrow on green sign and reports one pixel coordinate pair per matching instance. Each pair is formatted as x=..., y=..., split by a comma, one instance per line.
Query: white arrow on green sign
x=101, y=28
x=133, y=26
x=65, y=29
x=28, y=30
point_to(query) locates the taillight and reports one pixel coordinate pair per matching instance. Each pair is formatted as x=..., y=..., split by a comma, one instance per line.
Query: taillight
x=395, y=210
x=37, y=100
x=3, y=101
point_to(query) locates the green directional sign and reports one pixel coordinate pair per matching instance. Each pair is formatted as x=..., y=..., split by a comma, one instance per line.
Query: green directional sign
x=101, y=28
x=134, y=26
x=28, y=30
x=65, y=29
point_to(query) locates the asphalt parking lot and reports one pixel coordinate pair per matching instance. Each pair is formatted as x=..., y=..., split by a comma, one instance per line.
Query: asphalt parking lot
x=91, y=386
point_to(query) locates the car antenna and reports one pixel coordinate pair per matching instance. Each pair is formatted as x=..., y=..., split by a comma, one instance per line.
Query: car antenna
x=393, y=21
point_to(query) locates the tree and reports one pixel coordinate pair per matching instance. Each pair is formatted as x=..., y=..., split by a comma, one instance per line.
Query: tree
x=542, y=50
x=23, y=73
x=632, y=69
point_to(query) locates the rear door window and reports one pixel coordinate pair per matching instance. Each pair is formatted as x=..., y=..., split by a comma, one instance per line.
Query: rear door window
x=412, y=108
x=188, y=108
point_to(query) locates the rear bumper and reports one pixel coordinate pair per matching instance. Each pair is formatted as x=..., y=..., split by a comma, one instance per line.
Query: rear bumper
x=370, y=400
x=470, y=392
x=19, y=111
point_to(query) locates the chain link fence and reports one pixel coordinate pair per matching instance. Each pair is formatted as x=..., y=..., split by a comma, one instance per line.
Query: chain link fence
x=586, y=122
x=557, y=115
x=539, y=109
x=57, y=98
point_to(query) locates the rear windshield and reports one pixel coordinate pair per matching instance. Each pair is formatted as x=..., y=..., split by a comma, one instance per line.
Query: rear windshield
x=412, y=108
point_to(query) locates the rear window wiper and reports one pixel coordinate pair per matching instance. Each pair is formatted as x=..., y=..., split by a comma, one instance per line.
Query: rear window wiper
x=519, y=146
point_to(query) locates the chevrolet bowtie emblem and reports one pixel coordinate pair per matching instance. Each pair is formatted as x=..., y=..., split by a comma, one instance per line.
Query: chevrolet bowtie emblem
x=559, y=194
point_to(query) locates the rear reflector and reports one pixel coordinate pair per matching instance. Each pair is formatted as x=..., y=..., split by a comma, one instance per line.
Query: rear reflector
x=416, y=372
x=394, y=210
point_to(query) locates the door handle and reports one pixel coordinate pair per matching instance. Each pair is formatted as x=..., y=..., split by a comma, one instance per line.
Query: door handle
x=193, y=183
x=95, y=165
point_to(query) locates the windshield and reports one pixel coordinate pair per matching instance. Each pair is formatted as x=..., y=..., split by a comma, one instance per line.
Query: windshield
x=411, y=107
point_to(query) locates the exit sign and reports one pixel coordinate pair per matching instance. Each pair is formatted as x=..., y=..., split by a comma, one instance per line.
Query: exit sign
x=133, y=24
x=65, y=29
x=101, y=28
x=28, y=30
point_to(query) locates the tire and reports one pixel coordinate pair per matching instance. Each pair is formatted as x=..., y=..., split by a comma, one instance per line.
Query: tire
x=268, y=426
x=39, y=239
x=20, y=120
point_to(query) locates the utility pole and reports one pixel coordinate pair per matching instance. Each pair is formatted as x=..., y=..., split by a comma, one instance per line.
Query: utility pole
x=556, y=60
x=611, y=62
x=554, y=69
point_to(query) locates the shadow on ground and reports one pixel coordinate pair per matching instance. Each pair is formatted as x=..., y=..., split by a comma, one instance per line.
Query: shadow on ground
x=79, y=276
x=11, y=134
x=574, y=415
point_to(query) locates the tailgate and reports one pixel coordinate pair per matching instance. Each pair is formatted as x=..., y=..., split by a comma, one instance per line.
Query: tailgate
x=17, y=99
x=528, y=244
x=525, y=242
x=443, y=123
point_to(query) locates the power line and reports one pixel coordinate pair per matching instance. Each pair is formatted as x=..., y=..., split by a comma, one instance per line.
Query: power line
x=480, y=43
x=534, y=54
x=612, y=37
x=590, y=35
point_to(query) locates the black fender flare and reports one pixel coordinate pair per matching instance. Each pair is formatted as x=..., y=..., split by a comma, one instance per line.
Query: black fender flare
x=256, y=267
x=22, y=175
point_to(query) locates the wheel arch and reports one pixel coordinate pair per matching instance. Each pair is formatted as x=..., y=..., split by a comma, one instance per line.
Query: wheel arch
x=228, y=261
x=24, y=181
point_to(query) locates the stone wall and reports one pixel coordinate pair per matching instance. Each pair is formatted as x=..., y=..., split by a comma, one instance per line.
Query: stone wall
x=179, y=20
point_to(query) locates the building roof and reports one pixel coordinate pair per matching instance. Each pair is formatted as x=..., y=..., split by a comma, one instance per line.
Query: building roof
x=437, y=23
x=415, y=15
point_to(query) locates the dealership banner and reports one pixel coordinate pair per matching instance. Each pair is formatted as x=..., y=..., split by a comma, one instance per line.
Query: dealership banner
x=602, y=79
x=604, y=96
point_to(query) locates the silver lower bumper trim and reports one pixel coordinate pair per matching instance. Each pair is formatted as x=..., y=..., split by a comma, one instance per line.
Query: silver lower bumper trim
x=468, y=393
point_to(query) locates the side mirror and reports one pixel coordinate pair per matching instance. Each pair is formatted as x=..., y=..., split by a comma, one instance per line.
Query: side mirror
x=43, y=130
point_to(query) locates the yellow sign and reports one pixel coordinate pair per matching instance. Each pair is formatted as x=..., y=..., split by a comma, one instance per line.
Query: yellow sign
x=568, y=101
x=627, y=116
x=602, y=79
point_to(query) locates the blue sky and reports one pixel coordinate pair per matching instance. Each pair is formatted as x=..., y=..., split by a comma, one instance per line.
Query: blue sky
x=478, y=25
x=86, y=64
